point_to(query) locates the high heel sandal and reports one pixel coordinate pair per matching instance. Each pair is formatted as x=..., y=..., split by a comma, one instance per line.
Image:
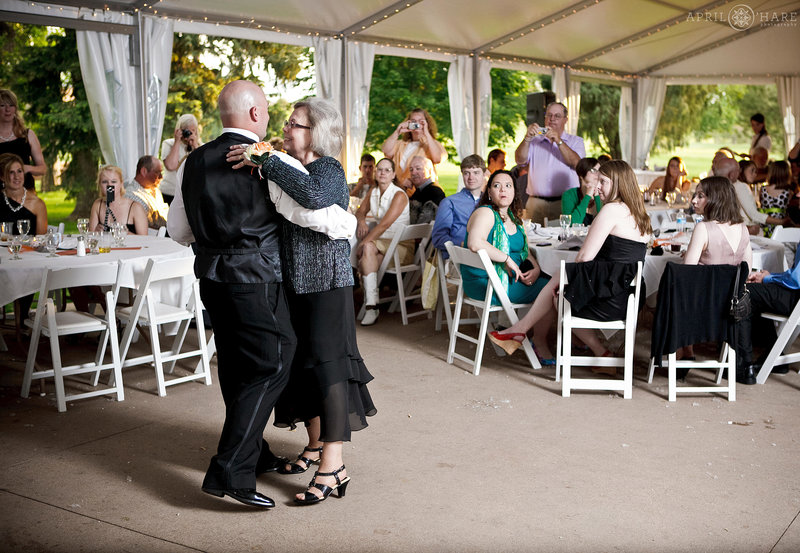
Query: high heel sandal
x=311, y=498
x=297, y=468
x=507, y=340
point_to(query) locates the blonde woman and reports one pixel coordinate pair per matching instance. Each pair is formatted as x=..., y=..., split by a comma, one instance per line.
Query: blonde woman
x=113, y=206
x=17, y=139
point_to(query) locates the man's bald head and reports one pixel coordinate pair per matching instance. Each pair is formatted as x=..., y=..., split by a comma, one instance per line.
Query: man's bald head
x=242, y=104
x=727, y=167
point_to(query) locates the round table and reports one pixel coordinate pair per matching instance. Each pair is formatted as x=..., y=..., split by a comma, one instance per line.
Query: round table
x=23, y=277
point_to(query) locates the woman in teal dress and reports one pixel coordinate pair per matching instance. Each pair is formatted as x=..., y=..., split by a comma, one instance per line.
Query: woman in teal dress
x=496, y=226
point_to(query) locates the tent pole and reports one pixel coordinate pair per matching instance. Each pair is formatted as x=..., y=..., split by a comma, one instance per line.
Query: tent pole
x=345, y=107
x=137, y=60
x=634, y=123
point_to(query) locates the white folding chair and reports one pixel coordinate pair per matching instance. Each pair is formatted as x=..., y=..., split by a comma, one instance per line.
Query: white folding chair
x=160, y=232
x=480, y=260
x=147, y=312
x=56, y=228
x=788, y=329
x=444, y=307
x=407, y=276
x=790, y=236
x=567, y=323
x=53, y=324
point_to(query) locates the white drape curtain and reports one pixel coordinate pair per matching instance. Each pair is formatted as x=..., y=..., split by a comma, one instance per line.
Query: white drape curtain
x=112, y=87
x=568, y=92
x=650, y=93
x=157, y=47
x=626, y=123
x=789, y=100
x=110, y=83
x=467, y=114
x=360, y=58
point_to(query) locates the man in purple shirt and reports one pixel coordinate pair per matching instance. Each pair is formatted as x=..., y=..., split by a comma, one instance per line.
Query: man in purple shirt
x=551, y=155
x=454, y=210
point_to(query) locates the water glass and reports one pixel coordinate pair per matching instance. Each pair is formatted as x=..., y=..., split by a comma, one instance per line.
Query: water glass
x=119, y=231
x=6, y=230
x=565, y=220
x=105, y=241
x=83, y=225
x=52, y=241
x=24, y=226
x=93, y=241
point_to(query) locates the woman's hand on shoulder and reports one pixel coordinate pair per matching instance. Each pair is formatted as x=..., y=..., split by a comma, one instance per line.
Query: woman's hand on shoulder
x=236, y=156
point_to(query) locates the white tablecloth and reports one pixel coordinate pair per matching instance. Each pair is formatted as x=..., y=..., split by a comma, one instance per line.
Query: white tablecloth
x=767, y=254
x=23, y=277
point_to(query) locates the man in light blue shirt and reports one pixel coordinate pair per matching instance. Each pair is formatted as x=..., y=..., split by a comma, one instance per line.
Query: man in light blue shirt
x=778, y=293
x=454, y=210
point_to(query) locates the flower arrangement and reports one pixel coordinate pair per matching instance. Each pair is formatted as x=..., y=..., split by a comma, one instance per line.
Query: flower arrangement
x=258, y=153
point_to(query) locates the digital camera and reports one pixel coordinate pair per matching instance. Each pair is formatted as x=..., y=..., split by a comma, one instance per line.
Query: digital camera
x=413, y=125
x=109, y=194
x=186, y=133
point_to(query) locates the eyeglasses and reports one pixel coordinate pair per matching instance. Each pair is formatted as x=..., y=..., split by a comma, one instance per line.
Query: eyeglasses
x=294, y=125
x=555, y=116
x=594, y=170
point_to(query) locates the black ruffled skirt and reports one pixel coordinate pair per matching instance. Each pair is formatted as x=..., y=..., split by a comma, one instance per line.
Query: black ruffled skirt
x=328, y=378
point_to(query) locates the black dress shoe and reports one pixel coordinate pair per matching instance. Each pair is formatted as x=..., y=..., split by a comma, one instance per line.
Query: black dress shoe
x=272, y=465
x=781, y=369
x=248, y=496
x=747, y=375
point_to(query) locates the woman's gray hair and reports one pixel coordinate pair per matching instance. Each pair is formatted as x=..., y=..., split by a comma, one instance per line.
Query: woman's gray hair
x=185, y=121
x=327, y=129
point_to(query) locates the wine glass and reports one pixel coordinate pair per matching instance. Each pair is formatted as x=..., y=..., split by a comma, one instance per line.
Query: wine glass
x=565, y=220
x=118, y=231
x=16, y=246
x=52, y=241
x=83, y=225
x=670, y=199
x=24, y=226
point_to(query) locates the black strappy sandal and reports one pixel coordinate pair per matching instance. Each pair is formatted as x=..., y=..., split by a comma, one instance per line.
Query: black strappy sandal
x=297, y=468
x=311, y=498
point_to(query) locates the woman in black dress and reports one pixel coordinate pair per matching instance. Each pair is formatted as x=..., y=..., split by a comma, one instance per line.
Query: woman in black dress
x=17, y=202
x=15, y=138
x=619, y=234
x=327, y=388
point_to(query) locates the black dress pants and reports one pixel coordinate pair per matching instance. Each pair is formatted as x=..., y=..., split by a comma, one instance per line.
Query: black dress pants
x=764, y=297
x=255, y=346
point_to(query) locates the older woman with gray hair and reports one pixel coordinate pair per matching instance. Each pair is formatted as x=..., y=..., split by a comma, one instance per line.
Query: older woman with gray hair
x=187, y=138
x=327, y=387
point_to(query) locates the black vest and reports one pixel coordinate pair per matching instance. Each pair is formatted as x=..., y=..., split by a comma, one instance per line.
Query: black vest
x=235, y=225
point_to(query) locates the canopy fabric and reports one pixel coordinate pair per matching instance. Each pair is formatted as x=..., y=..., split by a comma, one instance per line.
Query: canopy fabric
x=616, y=41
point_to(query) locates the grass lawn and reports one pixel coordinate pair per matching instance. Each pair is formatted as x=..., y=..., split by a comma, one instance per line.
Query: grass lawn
x=59, y=208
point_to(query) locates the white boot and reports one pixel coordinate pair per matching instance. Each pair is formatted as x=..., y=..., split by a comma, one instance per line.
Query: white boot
x=370, y=284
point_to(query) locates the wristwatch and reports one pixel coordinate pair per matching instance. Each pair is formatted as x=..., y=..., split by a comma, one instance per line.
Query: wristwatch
x=560, y=142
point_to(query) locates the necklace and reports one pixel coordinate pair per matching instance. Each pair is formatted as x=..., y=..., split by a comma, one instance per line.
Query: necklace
x=7, y=138
x=21, y=204
x=503, y=216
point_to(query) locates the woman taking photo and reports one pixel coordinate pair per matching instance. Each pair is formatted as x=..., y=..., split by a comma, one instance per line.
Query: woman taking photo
x=583, y=203
x=414, y=136
x=618, y=235
x=496, y=226
x=15, y=138
x=120, y=209
x=18, y=203
x=389, y=206
x=327, y=389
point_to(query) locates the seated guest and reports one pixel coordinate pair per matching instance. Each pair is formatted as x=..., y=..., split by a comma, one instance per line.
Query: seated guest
x=771, y=293
x=144, y=190
x=753, y=218
x=777, y=194
x=602, y=158
x=187, y=138
x=427, y=193
x=618, y=235
x=722, y=237
x=360, y=188
x=496, y=226
x=388, y=204
x=454, y=211
x=583, y=203
x=673, y=179
x=496, y=160
x=760, y=157
x=115, y=207
x=19, y=202
x=520, y=174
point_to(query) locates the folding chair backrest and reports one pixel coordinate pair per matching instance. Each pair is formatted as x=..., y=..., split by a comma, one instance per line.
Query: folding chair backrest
x=103, y=275
x=787, y=235
x=170, y=268
x=410, y=232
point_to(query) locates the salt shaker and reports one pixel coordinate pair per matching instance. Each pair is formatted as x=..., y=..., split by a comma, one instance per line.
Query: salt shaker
x=81, y=246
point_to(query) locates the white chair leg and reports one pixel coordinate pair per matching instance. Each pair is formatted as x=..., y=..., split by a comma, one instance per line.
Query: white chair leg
x=651, y=370
x=673, y=376
x=566, y=358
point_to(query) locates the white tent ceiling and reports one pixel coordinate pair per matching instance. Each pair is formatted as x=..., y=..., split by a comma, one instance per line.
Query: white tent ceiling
x=617, y=39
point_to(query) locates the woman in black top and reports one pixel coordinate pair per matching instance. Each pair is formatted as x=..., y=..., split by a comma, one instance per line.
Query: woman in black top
x=120, y=210
x=15, y=138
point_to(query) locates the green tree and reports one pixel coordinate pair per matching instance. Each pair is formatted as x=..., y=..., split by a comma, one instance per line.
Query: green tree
x=195, y=81
x=510, y=90
x=681, y=116
x=599, y=117
x=41, y=65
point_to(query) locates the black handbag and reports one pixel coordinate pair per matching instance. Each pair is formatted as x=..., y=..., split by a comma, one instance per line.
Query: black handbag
x=740, y=306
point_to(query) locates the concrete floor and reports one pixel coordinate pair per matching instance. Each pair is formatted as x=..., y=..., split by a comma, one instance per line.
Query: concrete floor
x=451, y=462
